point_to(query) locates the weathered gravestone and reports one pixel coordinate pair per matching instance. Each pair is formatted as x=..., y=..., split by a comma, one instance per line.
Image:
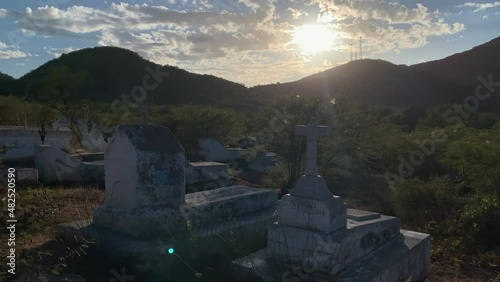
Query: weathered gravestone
x=317, y=239
x=146, y=211
x=144, y=166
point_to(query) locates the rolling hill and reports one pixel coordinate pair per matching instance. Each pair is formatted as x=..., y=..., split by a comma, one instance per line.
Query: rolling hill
x=112, y=71
x=448, y=80
x=6, y=83
x=368, y=81
x=456, y=76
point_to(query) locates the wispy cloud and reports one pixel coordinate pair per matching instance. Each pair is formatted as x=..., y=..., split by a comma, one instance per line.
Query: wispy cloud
x=297, y=14
x=3, y=13
x=387, y=26
x=480, y=6
x=10, y=52
x=57, y=52
x=221, y=36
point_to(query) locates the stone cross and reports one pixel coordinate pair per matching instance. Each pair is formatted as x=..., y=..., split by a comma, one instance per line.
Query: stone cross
x=312, y=131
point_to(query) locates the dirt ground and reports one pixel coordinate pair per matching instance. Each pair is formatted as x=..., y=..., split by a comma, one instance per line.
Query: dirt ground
x=43, y=257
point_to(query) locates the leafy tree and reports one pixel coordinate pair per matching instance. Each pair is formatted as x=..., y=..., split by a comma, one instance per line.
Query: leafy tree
x=471, y=155
x=190, y=123
x=3, y=149
x=56, y=91
x=16, y=111
x=12, y=110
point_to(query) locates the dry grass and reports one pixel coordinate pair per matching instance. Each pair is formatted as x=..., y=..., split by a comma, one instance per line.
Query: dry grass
x=40, y=210
x=449, y=272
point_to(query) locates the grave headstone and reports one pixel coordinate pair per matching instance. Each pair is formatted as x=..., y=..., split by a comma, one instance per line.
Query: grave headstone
x=146, y=208
x=144, y=165
x=318, y=238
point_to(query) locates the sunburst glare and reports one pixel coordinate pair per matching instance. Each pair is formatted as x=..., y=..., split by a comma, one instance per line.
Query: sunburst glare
x=313, y=38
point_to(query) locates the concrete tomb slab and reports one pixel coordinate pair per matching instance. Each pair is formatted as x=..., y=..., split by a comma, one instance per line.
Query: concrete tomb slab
x=146, y=208
x=201, y=210
x=56, y=166
x=359, y=215
x=317, y=237
x=203, y=172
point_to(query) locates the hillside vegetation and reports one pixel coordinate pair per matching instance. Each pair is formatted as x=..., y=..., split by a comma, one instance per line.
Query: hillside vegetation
x=112, y=71
x=437, y=176
x=378, y=82
x=399, y=145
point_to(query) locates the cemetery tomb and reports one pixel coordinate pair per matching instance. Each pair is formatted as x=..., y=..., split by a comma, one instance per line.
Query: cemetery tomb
x=317, y=239
x=146, y=211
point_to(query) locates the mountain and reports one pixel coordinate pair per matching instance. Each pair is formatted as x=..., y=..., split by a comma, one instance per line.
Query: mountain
x=448, y=80
x=456, y=76
x=113, y=71
x=6, y=82
x=368, y=81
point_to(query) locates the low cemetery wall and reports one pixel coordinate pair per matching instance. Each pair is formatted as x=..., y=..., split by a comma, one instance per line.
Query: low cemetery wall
x=21, y=142
x=55, y=166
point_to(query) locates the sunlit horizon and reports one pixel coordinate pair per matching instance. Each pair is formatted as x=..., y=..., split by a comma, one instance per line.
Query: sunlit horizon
x=249, y=42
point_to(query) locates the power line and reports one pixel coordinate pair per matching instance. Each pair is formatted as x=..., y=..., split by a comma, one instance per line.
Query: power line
x=352, y=52
x=361, y=48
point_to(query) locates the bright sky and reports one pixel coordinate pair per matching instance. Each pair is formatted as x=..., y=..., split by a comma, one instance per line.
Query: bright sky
x=247, y=41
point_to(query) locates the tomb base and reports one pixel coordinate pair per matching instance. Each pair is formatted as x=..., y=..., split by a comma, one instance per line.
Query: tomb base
x=201, y=209
x=325, y=215
x=399, y=260
x=152, y=257
x=333, y=251
x=210, y=224
x=372, y=248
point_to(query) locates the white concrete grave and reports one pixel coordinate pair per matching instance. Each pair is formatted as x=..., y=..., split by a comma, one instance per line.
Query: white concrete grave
x=212, y=150
x=146, y=204
x=318, y=238
x=144, y=166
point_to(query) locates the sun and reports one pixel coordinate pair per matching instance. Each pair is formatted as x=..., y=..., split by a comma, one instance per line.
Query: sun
x=313, y=38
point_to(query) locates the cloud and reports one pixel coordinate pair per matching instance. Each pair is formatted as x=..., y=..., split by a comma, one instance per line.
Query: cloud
x=8, y=52
x=122, y=20
x=297, y=14
x=3, y=13
x=57, y=52
x=256, y=67
x=386, y=26
x=392, y=13
x=480, y=6
x=245, y=41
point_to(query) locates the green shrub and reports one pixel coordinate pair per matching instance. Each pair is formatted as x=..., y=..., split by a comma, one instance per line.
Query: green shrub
x=418, y=202
x=276, y=177
x=190, y=123
x=3, y=149
x=480, y=220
